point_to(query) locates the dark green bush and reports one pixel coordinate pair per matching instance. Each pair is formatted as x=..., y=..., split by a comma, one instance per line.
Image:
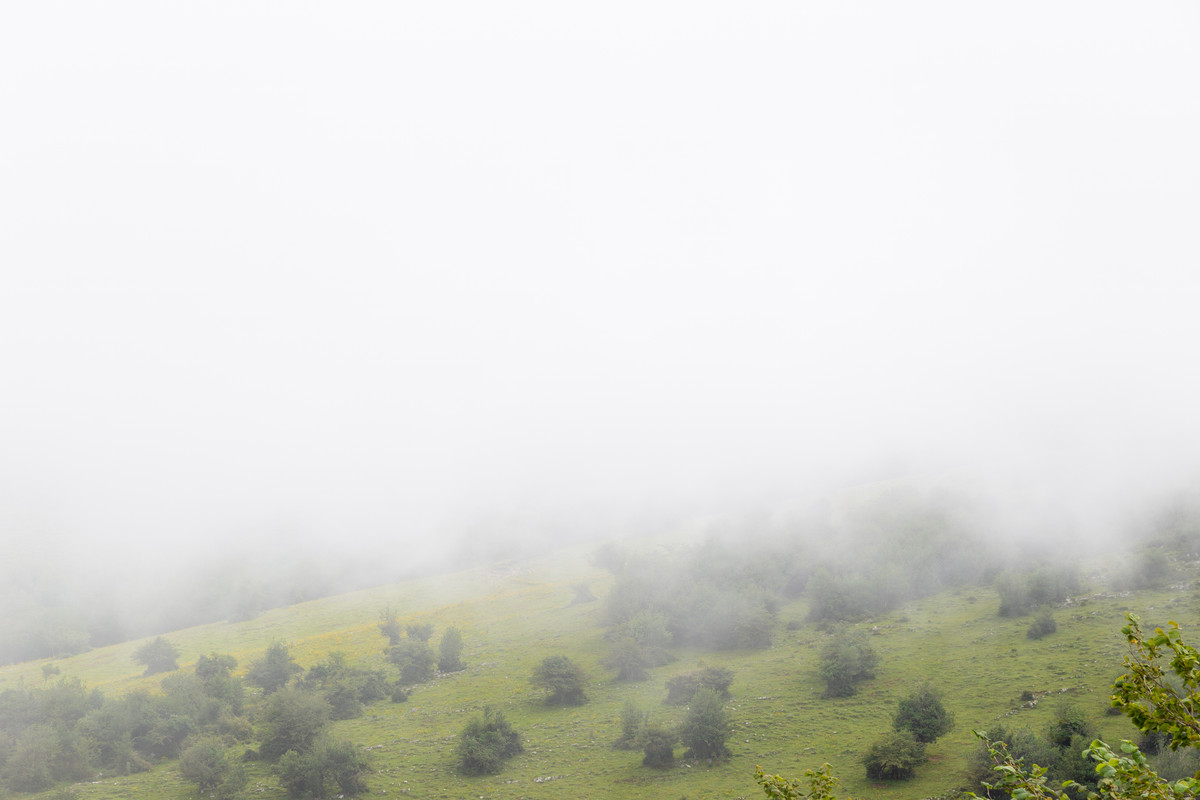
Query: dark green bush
x=486, y=743
x=894, y=757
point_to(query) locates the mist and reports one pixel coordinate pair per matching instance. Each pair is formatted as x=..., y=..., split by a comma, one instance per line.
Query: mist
x=421, y=286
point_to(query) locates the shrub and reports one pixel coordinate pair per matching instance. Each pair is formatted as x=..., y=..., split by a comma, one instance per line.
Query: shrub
x=292, y=720
x=1043, y=625
x=420, y=631
x=563, y=679
x=415, y=660
x=706, y=726
x=486, y=743
x=632, y=720
x=272, y=672
x=658, y=746
x=450, y=651
x=328, y=769
x=204, y=763
x=894, y=757
x=682, y=688
x=845, y=661
x=923, y=715
x=157, y=655
x=389, y=625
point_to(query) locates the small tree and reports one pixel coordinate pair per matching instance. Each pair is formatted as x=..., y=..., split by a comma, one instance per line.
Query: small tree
x=706, y=726
x=923, y=715
x=203, y=763
x=157, y=655
x=1043, y=625
x=292, y=720
x=486, y=743
x=658, y=746
x=328, y=769
x=415, y=660
x=682, y=688
x=272, y=672
x=563, y=679
x=845, y=661
x=421, y=631
x=450, y=651
x=894, y=757
x=639, y=643
x=389, y=625
x=632, y=720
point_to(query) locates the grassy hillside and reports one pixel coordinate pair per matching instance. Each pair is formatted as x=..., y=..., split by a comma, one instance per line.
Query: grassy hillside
x=512, y=617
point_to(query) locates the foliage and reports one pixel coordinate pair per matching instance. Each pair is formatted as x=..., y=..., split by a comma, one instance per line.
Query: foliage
x=157, y=655
x=658, y=746
x=420, y=631
x=639, y=643
x=215, y=673
x=327, y=769
x=710, y=597
x=486, y=743
x=389, y=625
x=776, y=787
x=583, y=594
x=204, y=763
x=1069, y=721
x=291, y=720
x=1043, y=625
x=923, y=715
x=1020, y=593
x=1146, y=695
x=896, y=756
x=563, y=679
x=415, y=659
x=845, y=661
x=272, y=672
x=450, y=651
x=632, y=720
x=706, y=726
x=682, y=688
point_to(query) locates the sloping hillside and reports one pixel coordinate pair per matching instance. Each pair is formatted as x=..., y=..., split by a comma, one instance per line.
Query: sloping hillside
x=514, y=615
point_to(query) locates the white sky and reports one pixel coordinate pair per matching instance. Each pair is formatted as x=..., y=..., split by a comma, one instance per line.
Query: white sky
x=365, y=265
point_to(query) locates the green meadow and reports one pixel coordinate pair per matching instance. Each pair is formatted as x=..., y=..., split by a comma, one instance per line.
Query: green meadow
x=513, y=615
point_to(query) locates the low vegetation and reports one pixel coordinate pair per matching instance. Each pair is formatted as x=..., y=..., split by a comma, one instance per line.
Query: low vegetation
x=305, y=715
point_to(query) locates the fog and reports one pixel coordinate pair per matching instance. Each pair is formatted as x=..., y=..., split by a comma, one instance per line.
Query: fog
x=399, y=279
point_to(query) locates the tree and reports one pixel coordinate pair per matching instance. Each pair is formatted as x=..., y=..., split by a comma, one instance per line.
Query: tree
x=639, y=643
x=157, y=655
x=203, y=762
x=658, y=746
x=632, y=720
x=682, y=688
x=923, y=715
x=1144, y=693
x=563, y=679
x=486, y=743
x=1043, y=625
x=706, y=726
x=415, y=660
x=421, y=631
x=845, y=661
x=389, y=625
x=894, y=757
x=450, y=651
x=292, y=720
x=328, y=769
x=272, y=672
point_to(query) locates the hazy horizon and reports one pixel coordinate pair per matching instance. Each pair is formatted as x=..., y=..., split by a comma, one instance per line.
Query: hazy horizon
x=370, y=274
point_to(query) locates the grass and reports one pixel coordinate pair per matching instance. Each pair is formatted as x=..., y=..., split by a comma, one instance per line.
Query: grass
x=511, y=619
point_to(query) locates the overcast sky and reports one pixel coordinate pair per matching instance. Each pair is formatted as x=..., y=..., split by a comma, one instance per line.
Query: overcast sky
x=369, y=266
